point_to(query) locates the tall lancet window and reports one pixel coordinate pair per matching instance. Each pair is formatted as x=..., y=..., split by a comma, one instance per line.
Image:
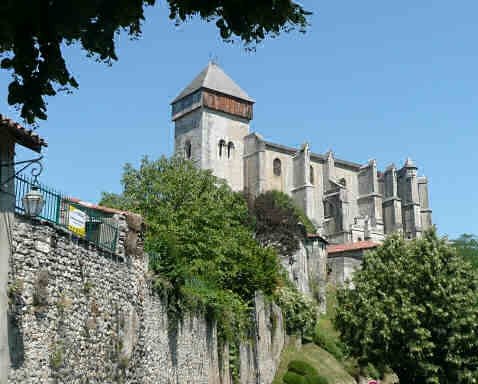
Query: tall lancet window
x=230, y=150
x=222, y=148
x=188, y=150
x=277, y=166
x=312, y=175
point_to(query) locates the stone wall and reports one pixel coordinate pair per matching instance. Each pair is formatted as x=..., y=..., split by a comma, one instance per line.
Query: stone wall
x=307, y=269
x=81, y=315
x=74, y=309
x=343, y=267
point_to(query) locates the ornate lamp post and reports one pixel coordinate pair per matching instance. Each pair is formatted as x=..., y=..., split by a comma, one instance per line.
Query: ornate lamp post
x=33, y=201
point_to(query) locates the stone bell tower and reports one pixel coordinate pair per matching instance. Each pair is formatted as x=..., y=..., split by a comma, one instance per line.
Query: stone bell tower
x=211, y=117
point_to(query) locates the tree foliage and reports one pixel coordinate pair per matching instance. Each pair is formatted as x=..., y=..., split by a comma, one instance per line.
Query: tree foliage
x=467, y=247
x=300, y=312
x=32, y=34
x=279, y=222
x=415, y=309
x=207, y=257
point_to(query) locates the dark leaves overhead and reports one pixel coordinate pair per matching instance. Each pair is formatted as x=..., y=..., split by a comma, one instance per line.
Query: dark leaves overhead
x=31, y=34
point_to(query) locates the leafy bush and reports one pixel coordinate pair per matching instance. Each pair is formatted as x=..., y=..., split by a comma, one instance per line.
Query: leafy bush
x=299, y=311
x=467, y=247
x=301, y=372
x=293, y=378
x=302, y=368
x=328, y=342
x=316, y=379
x=370, y=371
x=352, y=367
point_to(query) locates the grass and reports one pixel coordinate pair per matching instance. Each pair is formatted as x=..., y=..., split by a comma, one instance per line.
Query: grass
x=323, y=361
x=336, y=371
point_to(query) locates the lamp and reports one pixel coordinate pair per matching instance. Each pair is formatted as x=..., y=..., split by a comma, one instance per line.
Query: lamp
x=33, y=202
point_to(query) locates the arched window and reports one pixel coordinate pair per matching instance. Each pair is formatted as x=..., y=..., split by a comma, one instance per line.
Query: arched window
x=188, y=149
x=312, y=179
x=277, y=165
x=230, y=150
x=343, y=181
x=222, y=148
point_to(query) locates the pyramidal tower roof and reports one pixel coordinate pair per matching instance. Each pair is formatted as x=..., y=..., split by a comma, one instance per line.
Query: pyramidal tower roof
x=214, y=78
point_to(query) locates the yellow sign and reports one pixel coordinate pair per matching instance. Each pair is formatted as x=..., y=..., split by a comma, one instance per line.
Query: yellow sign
x=77, y=221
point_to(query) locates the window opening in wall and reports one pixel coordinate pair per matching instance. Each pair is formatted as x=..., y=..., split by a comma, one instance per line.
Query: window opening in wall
x=188, y=150
x=230, y=149
x=328, y=209
x=311, y=174
x=277, y=165
x=343, y=182
x=222, y=147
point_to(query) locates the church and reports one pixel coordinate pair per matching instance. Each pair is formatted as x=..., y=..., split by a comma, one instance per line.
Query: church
x=348, y=202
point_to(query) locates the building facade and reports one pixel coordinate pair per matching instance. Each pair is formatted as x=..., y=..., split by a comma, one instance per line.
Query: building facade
x=347, y=201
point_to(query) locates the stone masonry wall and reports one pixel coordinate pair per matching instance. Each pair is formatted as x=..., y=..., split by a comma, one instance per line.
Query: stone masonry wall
x=74, y=310
x=80, y=315
x=307, y=269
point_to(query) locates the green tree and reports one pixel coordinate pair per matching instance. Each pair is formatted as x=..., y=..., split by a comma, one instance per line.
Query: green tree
x=414, y=309
x=279, y=222
x=207, y=257
x=467, y=246
x=32, y=34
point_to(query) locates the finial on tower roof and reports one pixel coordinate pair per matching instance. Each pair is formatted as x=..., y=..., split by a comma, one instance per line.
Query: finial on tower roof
x=213, y=59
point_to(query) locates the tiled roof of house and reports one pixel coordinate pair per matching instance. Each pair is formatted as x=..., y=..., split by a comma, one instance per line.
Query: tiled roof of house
x=23, y=136
x=95, y=207
x=214, y=78
x=359, y=245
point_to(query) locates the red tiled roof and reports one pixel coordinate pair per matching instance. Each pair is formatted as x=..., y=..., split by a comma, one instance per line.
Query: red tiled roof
x=26, y=137
x=359, y=245
x=94, y=206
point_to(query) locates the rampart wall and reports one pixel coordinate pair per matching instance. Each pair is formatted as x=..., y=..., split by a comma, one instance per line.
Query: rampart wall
x=81, y=315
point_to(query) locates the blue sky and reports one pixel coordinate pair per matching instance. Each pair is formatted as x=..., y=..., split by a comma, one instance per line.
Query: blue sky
x=370, y=79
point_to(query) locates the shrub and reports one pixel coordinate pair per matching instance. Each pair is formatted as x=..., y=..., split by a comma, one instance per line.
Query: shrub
x=57, y=357
x=302, y=368
x=316, y=379
x=371, y=371
x=327, y=342
x=299, y=311
x=293, y=378
x=352, y=367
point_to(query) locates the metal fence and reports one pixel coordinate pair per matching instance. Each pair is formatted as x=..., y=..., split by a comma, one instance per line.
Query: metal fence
x=99, y=228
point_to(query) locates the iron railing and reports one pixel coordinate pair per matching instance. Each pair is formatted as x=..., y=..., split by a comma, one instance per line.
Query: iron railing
x=100, y=228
